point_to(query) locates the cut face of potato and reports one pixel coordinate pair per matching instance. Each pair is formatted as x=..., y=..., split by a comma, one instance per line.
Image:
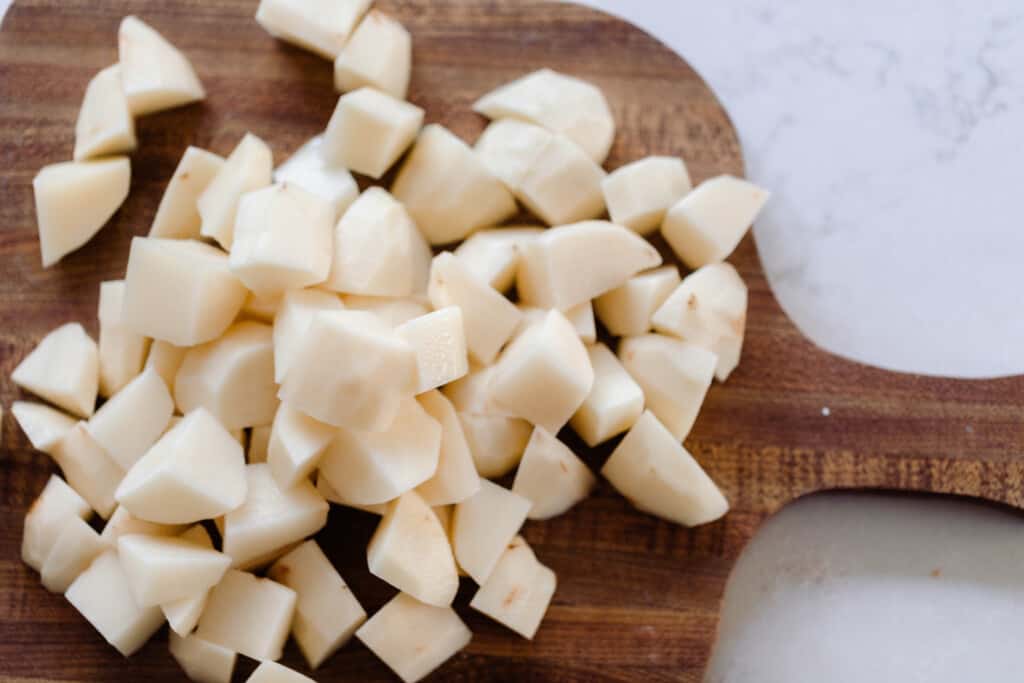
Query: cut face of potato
x=448, y=190
x=639, y=194
x=562, y=104
x=155, y=75
x=43, y=425
x=47, y=518
x=455, y=478
x=551, y=476
x=121, y=350
x=439, y=341
x=89, y=469
x=165, y=359
x=390, y=311
x=105, y=125
x=518, y=591
x=133, y=419
x=177, y=216
x=412, y=638
x=483, y=525
x=332, y=496
x=653, y=470
x=207, y=297
x=272, y=672
x=369, y=130
x=581, y=317
x=292, y=322
x=496, y=442
x=378, y=55
x=308, y=169
x=575, y=263
x=614, y=402
x=183, y=615
x=296, y=443
x=74, y=199
x=249, y=168
x=707, y=224
x=626, y=311
x=472, y=393
x=248, y=615
x=493, y=255
x=202, y=660
x=73, y=551
x=164, y=569
x=320, y=26
x=123, y=522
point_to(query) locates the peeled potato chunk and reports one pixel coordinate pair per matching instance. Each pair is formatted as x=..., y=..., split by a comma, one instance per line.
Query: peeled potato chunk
x=369, y=130
x=183, y=614
x=413, y=638
x=455, y=478
x=272, y=672
x=105, y=125
x=133, y=419
x=195, y=471
x=102, y=595
x=518, y=591
x=389, y=310
x=249, y=167
x=164, y=569
x=292, y=322
x=626, y=311
x=472, y=393
x=73, y=551
x=483, y=525
x=707, y=224
x=248, y=615
x=177, y=216
x=653, y=470
x=439, y=340
x=378, y=55
x=493, y=255
x=89, y=469
x=321, y=26
x=562, y=104
x=308, y=169
x=46, y=519
x=551, y=476
x=639, y=194
x=155, y=75
x=296, y=443
x=121, y=350
x=332, y=496
x=74, y=199
x=202, y=660
x=123, y=522
x=614, y=403
x=43, y=425
x=165, y=358
x=581, y=317
x=574, y=263
x=496, y=442
x=448, y=190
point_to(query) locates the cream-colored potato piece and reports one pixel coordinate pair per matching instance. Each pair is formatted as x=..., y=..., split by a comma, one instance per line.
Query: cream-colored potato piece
x=165, y=359
x=544, y=375
x=472, y=393
x=105, y=125
x=389, y=310
x=412, y=638
x=483, y=525
x=44, y=426
x=674, y=375
x=195, y=471
x=272, y=672
x=709, y=309
x=574, y=263
x=493, y=255
x=201, y=660
x=639, y=194
x=518, y=591
x=308, y=169
x=89, y=470
x=369, y=130
x=182, y=615
x=614, y=403
x=248, y=615
x=73, y=551
x=101, y=594
x=49, y=514
x=155, y=75
x=350, y=369
x=378, y=251
x=177, y=216
x=292, y=322
x=296, y=443
x=164, y=569
x=707, y=224
x=207, y=295
x=262, y=307
x=321, y=26
x=626, y=311
x=448, y=190
x=121, y=350
x=551, y=476
x=439, y=340
x=133, y=419
x=489, y=319
x=581, y=317
x=332, y=496
x=123, y=522
x=366, y=468
x=378, y=55
x=455, y=478
x=653, y=470
x=496, y=442
x=249, y=167
x=562, y=104
x=74, y=199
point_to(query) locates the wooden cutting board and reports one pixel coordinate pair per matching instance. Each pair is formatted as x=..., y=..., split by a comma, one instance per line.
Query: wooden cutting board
x=638, y=598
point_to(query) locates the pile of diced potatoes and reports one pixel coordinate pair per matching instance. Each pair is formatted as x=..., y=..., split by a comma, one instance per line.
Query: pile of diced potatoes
x=282, y=341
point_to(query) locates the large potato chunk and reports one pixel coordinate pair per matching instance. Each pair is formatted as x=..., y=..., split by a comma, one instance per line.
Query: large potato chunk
x=248, y=615
x=164, y=569
x=133, y=419
x=551, y=476
x=653, y=470
x=177, y=216
x=183, y=614
x=369, y=130
x=378, y=55
x=455, y=478
x=626, y=311
x=249, y=167
x=639, y=194
x=448, y=190
x=201, y=660
x=155, y=75
x=63, y=369
x=122, y=351
x=74, y=199
x=518, y=591
x=496, y=442
x=614, y=403
x=321, y=26
x=292, y=322
x=296, y=443
x=483, y=525
x=46, y=519
x=493, y=255
x=89, y=469
x=73, y=551
x=439, y=340
x=105, y=125
x=43, y=426
x=308, y=169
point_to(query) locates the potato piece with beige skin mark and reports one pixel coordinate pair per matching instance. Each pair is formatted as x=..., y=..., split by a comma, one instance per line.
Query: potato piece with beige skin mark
x=165, y=568
x=46, y=519
x=89, y=469
x=626, y=311
x=105, y=125
x=369, y=131
x=456, y=477
x=133, y=419
x=496, y=442
x=177, y=216
x=321, y=26
x=249, y=167
x=638, y=195
x=248, y=615
x=439, y=340
x=202, y=660
x=155, y=75
x=43, y=426
x=493, y=255
x=121, y=350
x=308, y=169
x=292, y=321
x=551, y=476
x=378, y=55
x=518, y=591
x=614, y=402
x=483, y=525
x=73, y=551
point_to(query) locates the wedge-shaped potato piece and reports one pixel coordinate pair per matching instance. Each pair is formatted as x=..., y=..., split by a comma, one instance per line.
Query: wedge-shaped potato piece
x=496, y=442
x=448, y=190
x=165, y=359
x=389, y=310
x=177, y=216
x=122, y=522
x=102, y=595
x=378, y=251
x=674, y=375
x=365, y=468
x=455, y=478
x=626, y=311
x=121, y=350
x=74, y=199
x=562, y=104
x=614, y=402
x=249, y=167
x=248, y=615
x=321, y=26
x=133, y=419
x=296, y=443
x=544, y=375
x=439, y=340
x=326, y=614
x=73, y=551
x=47, y=518
x=551, y=476
x=483, y=525
x=707, y=224
x=489, y=318
x=410, y=550
x=308, y=169
x=412, y=638
x=89, y=469
x=292, y=322
x=44, y=426
x=369, y=130
x=201, y=660
x=232, y=377
x=639, y=194
x=164, y=569
x=183, y=614
x=518, y=591
x=653, y=470
x=207, y=295
x=350, y=369
x=272, y=672
x=155, y=75
x=493, y=255
x=105, y=125
x=581, y=317
x=378, y=55
x=709, y=309
x=195, y=471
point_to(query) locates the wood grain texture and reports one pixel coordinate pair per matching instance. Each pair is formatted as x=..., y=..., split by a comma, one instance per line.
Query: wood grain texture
x=638, y=598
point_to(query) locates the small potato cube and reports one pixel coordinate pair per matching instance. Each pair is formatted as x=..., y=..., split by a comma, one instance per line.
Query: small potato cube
x=483, y=525
x=308, y=169
x=389, y=310
x=165, y=359
x=455, y=478
x=202, y=660
x=105, y=125
x=183, y=615
x=272, y=672
x=133, y=419
x=89, y=469
x=518, y=591
x=551, y=476
x=164, y=569
x=122, y=351
x=123, y=522
x=44, y=426
x=321, y=26
x=378, y=55
x=493, y=255
x=581, y=317
x=155, y=75
x=292, y=322
x=439, y=340
x=249, y=167
x=496, y=442
x=639, y=194
x=177, y=216
x=73, y=551
x=626, y=311
x=369, y=130
x=296, y=443
x=47, y=518
x=248, y=615
x=472, y=393
x=614, y=402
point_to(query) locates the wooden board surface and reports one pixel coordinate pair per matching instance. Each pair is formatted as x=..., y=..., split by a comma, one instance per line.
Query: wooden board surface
x=638, y=598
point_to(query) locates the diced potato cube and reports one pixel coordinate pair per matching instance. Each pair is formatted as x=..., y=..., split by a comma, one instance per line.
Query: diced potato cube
x=455, y=478
x=296, y=443
x=177, y=216
x=378, y=55
x=44, y=426
x=165, y=358
x=122, y=351
x=123, y=522
x=89, y=469
x=133, y=419
x=73, y=551
x=155, y=75
x=201, y=660
x=105, y=125
x=292, y=322
x=581, y=317
x=439, y=340
x=321, y=26
x=183, y=615
x=308, y=169
x=614, y=402
x=496, y=442
x=626, y=311
x=472, y=393
x=493, y=255
x=483, y=525
x=272, y=672
x=369, y=130
x=518, y=591
x=47, y=518
x=639, y=194
x=248, y=615
x=249, y=167
x=551, y=476
x=164, y=569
